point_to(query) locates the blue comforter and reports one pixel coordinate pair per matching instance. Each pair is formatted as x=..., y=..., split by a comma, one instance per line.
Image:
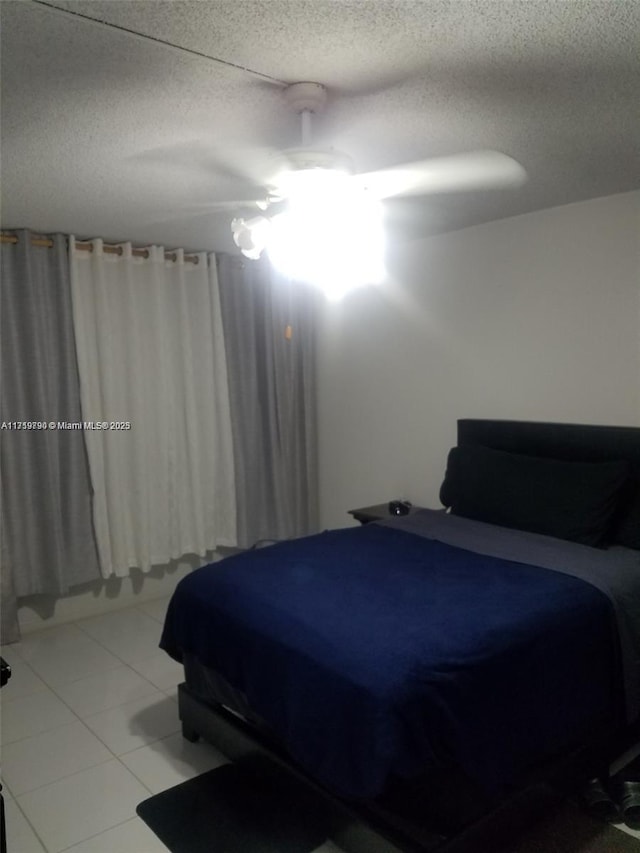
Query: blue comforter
x=373, y=651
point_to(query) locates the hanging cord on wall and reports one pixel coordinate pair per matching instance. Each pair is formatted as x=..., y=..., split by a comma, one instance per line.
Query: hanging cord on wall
x=288, y=329
x=264, y=543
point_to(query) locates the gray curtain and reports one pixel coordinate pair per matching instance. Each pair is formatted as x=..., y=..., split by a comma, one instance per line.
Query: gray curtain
x=47, y=534
x=272, y=397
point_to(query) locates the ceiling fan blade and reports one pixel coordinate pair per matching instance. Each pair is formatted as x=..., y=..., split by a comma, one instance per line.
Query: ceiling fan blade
x=475, y=170
x=241, y=164
x=238, y=204
x=186, y=213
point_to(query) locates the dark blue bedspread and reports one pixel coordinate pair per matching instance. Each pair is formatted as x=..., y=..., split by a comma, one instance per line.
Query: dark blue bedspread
x=373, y=651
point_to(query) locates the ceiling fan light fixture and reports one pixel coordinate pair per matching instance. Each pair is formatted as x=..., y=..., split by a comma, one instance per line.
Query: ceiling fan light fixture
x=335, y=242
x=251, y=235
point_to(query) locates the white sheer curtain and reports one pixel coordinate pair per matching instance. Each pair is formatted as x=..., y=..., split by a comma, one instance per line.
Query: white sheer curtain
x=151, y=353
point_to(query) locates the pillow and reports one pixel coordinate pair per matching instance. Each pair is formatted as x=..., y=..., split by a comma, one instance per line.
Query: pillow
x=568, y=500
x=626, y=524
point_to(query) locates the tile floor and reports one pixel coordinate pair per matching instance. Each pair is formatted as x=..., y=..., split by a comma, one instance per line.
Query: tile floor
x=89, y=729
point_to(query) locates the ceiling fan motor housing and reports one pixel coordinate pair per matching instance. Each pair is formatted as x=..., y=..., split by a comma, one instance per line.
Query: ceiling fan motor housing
x=300, y=159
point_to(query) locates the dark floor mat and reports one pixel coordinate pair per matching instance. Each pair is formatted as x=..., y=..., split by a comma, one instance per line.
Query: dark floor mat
x=569, y=830
x=236, y=808
x=248, y=807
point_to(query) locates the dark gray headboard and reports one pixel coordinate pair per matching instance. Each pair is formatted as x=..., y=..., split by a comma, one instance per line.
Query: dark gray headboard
x=577, y=442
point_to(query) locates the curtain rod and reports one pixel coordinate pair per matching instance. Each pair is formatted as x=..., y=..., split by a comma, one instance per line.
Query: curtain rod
x=45, y=242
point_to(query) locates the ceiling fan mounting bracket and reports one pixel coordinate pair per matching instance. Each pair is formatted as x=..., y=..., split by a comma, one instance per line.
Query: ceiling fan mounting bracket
x=306, y=97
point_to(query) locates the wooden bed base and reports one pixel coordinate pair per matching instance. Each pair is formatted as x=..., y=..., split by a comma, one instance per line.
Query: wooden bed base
x=377, y=829
x=239, y=741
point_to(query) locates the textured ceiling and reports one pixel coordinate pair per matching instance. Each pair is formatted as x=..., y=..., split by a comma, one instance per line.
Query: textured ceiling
x=107, y=133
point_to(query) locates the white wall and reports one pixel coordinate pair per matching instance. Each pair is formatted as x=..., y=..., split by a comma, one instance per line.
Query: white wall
x=535, y=317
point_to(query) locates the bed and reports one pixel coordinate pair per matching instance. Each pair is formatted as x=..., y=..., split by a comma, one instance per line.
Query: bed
x=423, y=671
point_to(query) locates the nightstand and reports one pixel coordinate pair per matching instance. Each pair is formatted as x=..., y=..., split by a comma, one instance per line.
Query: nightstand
x=377, y=512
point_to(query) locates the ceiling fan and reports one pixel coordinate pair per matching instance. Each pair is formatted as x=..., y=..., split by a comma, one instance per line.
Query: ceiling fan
x=317, y=175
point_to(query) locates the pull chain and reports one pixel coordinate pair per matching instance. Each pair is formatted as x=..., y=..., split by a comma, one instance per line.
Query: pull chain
x=288, y=329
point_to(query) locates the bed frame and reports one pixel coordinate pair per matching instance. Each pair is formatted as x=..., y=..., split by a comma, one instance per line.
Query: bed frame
x=444, y=813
